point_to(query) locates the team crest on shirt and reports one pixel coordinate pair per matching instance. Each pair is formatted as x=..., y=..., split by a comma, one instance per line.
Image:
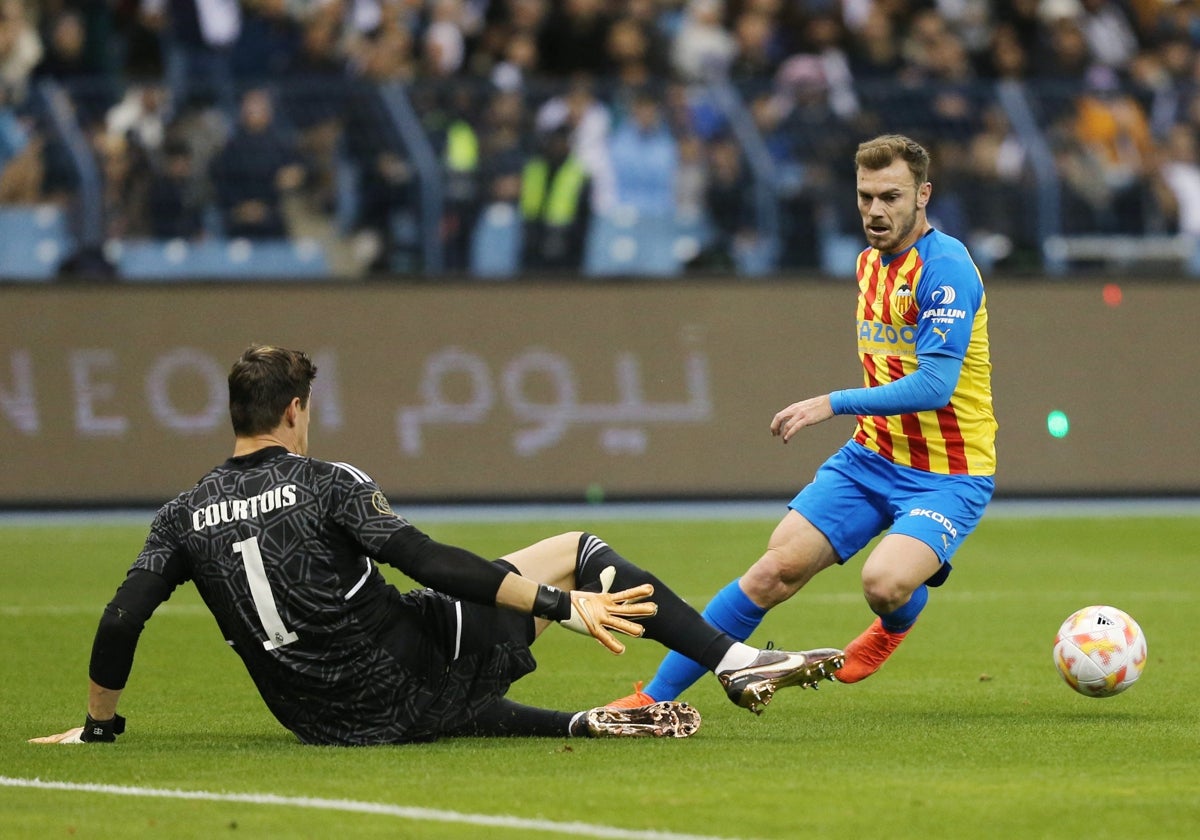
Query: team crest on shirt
x=381, y=503
x=903, y=303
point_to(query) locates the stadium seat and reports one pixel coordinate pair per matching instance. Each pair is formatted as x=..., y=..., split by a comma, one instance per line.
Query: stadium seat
x=625, y=243
x=693, y=233
x=839, y=254
x=496, y=242
x=757, y=258
x=34, y=241
x=838, y=250
x=226, y=259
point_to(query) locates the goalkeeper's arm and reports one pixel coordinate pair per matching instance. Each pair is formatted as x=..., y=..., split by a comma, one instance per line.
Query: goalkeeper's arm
x=463, y=574
x=112, y=656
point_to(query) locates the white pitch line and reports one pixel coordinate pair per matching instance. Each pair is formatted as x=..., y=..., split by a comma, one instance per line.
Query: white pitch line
x=405, y=812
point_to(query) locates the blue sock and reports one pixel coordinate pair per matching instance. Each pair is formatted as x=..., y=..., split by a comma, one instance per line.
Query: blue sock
x=729, y=611
x=897, y=621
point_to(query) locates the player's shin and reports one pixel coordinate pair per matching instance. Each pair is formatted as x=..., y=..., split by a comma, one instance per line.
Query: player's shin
x=902, y=619
x=731, y=611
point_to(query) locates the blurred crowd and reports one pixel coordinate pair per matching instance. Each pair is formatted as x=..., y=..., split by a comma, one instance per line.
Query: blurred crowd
x=275, y=119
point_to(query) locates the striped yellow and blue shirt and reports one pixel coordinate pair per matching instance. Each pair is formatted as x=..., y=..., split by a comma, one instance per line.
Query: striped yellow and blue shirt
x=923, y=342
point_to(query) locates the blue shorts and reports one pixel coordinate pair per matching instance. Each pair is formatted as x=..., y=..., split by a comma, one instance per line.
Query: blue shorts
x=858, y=494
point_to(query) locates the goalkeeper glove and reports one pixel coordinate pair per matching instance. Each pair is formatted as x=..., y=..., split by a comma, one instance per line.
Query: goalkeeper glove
x=595, y=614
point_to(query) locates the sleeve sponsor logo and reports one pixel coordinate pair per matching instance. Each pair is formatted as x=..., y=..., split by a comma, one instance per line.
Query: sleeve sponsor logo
x=943, y=315
x=943, y=296
x=942, y=311
x=380, y=503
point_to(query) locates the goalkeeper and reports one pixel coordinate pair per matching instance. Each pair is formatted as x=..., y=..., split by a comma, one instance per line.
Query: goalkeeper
x=283, y=549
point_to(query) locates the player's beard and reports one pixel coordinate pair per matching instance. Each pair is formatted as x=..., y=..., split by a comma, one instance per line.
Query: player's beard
x=900, y=227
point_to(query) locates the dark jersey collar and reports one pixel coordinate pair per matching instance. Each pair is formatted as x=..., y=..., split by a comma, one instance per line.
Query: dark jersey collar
x=256, y=457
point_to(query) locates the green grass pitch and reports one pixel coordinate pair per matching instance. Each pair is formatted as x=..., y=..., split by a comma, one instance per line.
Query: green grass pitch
x=967, y=732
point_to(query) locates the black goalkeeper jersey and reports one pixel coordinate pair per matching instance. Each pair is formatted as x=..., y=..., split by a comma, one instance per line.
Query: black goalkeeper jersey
x=279, y=547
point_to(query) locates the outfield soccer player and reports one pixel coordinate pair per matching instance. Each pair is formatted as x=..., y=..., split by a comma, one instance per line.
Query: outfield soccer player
x=920, y=464
x=282, y=548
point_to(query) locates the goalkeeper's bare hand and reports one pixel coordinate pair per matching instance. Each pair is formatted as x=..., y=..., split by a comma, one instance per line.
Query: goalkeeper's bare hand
x=71, y=736
x=92, y=731
x=598, y=614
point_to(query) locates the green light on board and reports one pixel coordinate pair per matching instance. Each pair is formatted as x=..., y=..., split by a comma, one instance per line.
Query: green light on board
x=1057, y=424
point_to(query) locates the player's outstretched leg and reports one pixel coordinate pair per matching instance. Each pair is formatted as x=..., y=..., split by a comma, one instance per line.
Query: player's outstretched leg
x=506, y=718
x=730, y=611
x=753, y=686
x=750, y=676
x=658, y=720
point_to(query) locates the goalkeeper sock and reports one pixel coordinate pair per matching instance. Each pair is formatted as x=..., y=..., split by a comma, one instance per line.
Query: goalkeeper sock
x=730, y=611
x=506, y=718
x=900, y=620
x=578, y=727
x=676, y=625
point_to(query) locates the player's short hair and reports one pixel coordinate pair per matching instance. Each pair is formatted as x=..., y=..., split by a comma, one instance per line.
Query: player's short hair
x=880, y=152
x=263, y=382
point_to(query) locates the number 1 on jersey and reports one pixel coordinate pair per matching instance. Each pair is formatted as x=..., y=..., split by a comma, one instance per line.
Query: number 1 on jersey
x=264, y=600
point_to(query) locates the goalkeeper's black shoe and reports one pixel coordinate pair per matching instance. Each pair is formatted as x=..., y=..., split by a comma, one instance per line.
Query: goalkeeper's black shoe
x=753, y=687
x=668, y=719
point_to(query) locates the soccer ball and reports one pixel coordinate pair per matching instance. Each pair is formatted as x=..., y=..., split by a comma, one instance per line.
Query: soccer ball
x=1100, y=651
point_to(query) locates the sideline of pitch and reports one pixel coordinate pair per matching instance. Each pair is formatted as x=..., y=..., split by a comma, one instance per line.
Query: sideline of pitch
x=575, y=829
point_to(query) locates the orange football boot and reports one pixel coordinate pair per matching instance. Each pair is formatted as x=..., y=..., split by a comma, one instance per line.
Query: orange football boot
x=866, y=654
x=636, y=700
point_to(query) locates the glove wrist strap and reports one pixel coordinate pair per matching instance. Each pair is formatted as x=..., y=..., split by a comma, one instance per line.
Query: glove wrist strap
x=551, y=603
x=102, y=730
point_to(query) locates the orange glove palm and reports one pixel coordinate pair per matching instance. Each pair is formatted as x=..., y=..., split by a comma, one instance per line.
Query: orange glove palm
x=597, y=614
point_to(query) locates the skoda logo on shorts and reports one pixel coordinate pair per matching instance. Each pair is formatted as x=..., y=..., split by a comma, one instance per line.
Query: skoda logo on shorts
x=938, y=518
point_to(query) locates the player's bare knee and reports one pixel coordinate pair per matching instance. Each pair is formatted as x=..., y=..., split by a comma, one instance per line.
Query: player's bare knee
x=566, y=543
x=775, y=578
x=884, y=593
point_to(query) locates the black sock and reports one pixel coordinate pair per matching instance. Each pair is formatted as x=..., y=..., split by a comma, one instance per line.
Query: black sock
x=507, y=718
x=676, y=625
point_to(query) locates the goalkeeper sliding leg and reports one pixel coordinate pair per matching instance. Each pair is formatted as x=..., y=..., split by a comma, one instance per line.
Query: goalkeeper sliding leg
x=750, y=676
